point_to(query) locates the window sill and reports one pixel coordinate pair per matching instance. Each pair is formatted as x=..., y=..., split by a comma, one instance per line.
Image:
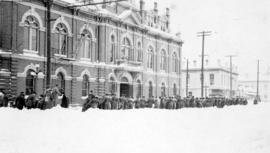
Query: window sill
x=60, y=55
x=84, y=98
x=31, y=52
x=85, y=59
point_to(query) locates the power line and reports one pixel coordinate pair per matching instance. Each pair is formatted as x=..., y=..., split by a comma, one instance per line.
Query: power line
x=203, y=34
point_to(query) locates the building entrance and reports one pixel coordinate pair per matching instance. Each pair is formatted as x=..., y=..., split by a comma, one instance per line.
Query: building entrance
x=124, y=90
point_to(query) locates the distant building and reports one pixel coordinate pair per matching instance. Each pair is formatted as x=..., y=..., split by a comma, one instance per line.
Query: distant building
x=111, y=48
x=248, y=87
x=216, y=78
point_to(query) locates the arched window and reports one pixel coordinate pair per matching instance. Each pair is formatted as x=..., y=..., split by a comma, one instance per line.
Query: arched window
x=126, y=49
x=112, y=88
x=60, y=81
x=150, y=58
x=31, y=33
x=139, y=89
x=30, y=82
x=174, y=62
x=86, y=41
x=139, y=52
x=174, y=89
x=113, y=48
x=163, y=90
x=150, y=89
x=163, y=61
x=85, y=85
x=60, y=39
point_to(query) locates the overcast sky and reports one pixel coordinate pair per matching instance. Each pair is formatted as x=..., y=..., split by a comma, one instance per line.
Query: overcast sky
x=239, y=27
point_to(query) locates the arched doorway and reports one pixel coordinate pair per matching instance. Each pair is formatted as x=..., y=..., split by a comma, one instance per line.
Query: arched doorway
x=60, y=81
x=30, y=82
x=124, y=88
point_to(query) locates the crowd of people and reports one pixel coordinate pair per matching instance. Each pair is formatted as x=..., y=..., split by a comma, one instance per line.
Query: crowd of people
x=109, y=102
x=44, y=101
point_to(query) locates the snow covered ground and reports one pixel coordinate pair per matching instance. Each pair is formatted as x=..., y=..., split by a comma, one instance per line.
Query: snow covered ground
x=237, y=129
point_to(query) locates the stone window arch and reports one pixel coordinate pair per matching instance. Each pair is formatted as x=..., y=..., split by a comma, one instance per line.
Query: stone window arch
x=174, y=63
x=163, y=60
x=31, y=33
x=112, y=48
x=139, y=52
x=86, y=44
x=60, y=38
x=126, y=51
x=150, y=57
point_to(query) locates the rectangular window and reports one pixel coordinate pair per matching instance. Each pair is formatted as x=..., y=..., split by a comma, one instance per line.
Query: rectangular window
x=34, y=39
x=55, y=43
x=26, y=38
x=87, y=49
x=63, y=44
x=212, y=79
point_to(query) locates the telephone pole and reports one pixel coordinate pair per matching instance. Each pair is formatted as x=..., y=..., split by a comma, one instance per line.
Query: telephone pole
x=231, y=69
x=48, y=4
x=258, y=73
x=187, y=79
x=203, y=34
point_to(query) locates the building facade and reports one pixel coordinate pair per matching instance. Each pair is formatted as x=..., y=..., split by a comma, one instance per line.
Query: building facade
x=112, y=48
x=248, y=87
x=216, y=78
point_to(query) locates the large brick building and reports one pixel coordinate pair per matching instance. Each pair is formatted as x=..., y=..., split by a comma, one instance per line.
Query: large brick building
x=113, y=48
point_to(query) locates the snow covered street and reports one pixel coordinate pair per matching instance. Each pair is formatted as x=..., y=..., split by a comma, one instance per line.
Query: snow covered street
x=235, y=129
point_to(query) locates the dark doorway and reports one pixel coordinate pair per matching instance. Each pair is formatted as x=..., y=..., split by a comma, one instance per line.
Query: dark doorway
x=124, y=90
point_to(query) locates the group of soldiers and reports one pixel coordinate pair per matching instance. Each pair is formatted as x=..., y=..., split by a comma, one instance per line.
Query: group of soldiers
x=109, y=102
x=44, y=101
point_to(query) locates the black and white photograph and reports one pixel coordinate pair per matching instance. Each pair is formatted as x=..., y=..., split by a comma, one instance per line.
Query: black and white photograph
x=134, y=76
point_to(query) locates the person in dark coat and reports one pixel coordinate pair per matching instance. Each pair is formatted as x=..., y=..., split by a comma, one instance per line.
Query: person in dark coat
x=41, y=102
x=65, y=101
x=2, y=98
x=114, y=103
x=20, y=101
x=5, y=100
x=30, y=101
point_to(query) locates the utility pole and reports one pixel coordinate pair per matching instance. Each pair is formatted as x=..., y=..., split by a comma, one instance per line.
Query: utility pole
x=258, y=73
x=231, y=69
x=203, y=34
x=187, y=79
x=48, y=4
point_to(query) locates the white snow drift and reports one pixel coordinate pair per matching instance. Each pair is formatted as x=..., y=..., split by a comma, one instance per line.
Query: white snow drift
x=236, y=129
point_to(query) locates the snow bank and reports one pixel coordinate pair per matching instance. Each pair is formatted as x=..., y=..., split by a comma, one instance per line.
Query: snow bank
x=237, y=129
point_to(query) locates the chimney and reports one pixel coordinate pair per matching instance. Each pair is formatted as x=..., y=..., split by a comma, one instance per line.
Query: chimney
x=168, y=12
x=104, y=5
x=156, y=7
x=142, y=6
